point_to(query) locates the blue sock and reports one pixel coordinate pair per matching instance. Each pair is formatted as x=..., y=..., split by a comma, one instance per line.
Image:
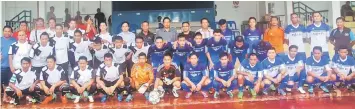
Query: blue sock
x=289, y=86
x=282, y=85
x=185, y=87
x=240, y=88
x=207, y=87
x=266, y=86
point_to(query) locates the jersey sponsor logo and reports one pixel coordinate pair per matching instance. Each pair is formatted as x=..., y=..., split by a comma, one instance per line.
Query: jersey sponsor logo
x=216, y=48
x=346, y=34
x=195, y=73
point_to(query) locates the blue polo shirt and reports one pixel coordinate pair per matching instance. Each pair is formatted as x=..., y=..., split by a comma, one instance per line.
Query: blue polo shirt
x=5, y=45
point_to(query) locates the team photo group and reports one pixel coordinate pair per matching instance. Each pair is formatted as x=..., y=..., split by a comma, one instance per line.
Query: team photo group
x=74, y=62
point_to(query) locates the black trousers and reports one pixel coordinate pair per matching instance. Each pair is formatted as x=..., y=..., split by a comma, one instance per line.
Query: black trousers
x=25, y=92
x=91, y=90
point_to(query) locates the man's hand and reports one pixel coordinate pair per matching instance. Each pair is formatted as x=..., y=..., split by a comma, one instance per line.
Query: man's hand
x=342, y=77
x=224, y=83
x=32, y=88
x=12, y=69
x=193, y=87
x=198, y=87
x=81, y=90
x=106, y=89
x=228, y=83
x=211, y=65
x=251, y=77
x=347, y=78
x=274, y=80
x=112, y=89
x=18, y=92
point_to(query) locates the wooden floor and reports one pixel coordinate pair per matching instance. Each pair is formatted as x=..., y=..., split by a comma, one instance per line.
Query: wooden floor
x=293, y=100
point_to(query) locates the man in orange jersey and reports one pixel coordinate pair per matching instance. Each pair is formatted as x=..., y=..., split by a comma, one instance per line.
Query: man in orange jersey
x=275, y=35
x=142, y=75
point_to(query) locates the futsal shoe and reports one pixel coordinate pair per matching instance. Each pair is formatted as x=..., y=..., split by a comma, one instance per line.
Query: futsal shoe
x=300, y=89
x=129, y=98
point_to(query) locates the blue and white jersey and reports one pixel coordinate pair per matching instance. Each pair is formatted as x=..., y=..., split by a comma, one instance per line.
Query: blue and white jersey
x=201, y=50
x=318, y=67
x=261, y=50
x=273, y=68
x=195, y=73
x=295, y=35
x=238, y=52
x=319, y=35
x=344, y=66
x=18, y=51
x=252, y=36
x=182, y=51
x=291, y=64
x=256, y=70
x=224, y=72
x=215, y=48
x=156, y=54
x=228, y=35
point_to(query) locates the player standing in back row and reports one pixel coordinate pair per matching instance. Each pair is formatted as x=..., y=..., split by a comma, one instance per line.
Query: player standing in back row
x=295, y=33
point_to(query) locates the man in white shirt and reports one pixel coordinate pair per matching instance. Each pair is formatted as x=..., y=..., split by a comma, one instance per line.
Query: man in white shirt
x=35, y=34
x=18, y=50
x=136, y=48
x=72, y=28
x=51, y=29
x=127, y=36
x=98, y=51
x=79, y=48
x=61, y=45
x=104, y=34
x=205, y=30
x=120, y=51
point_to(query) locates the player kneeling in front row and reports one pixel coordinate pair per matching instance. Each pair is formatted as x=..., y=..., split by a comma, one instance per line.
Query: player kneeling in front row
x=53, y=80
x=142, y=75
x=344, y=68
x=274, y=72
x=224, y=75
x=168, y=76
x=110, y=79
x=318, y=70
x=82, y=80
x=23, y=83
x=196, y=77
x=250, y=73
x=294, y=70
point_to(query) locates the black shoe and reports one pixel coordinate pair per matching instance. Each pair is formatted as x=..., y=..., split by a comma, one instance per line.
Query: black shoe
x=351, y=88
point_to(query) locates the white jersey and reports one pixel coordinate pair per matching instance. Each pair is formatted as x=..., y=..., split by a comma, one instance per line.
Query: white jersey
x=119, y=54
x=295, y=35
x=71, y=34
x=61, y=45
x=23, y=80
x=319, y=35
x=39, y=54
x=35, y=35
x=53, y=76
x=81, y=49
x=50, y=32
x=18, y=51
x=81, y=77
x=136, y=51
x=107, y=37
x=111, y=74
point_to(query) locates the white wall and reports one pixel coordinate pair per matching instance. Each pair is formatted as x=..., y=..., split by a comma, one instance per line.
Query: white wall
x=12, y=8
x=246, y=9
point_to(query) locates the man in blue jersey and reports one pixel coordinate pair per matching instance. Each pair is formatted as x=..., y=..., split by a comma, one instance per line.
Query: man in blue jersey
x=199, y=47
x=294, y=63
x=260, y=49
x=318, y=70
x=343, y=66
x=195, y=77
x=156, y=52
x=252, y=35
x=6, y=41
x=318, y=33
x=227, y=33
x=215, y=46
x=224, y=75
x=295, y=34
x=250, y=73
x=274, y=72
x=181, y=49
x=238, y=49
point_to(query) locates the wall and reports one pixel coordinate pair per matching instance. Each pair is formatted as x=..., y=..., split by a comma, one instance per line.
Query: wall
x=12, y=8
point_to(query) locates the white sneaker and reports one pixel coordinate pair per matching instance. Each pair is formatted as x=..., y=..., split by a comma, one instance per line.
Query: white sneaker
x=288, y=89
x=176, y=95
x=300, y=89
x=29, y=99
x=77, y=99
x=12, y=101
x=91, y=99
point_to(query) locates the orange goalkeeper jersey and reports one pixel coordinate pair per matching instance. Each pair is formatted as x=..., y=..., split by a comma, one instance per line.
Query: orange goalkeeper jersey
x=275, y=36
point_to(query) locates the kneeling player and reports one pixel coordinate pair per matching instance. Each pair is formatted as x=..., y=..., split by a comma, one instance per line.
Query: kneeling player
x=274, y=72
x=82, y=80
x=142, y=75
x=343, y=67
x=53, y=80
x=318, y=70
x=250, y=73
x=23, y=83
x=195, y=77
x=168, y=76
x=295, y=72
x=110, y=79
x=224, y=75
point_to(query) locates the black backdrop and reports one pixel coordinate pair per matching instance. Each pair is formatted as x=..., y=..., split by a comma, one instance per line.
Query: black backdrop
x=159, y=5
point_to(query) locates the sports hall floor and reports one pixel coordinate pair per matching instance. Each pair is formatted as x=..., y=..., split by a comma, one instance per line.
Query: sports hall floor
x=293, y=100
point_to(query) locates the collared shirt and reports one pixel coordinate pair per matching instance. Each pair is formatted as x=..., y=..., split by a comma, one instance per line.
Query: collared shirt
x=23, y=80
x=83, y=76
x=129, y=37
x=35, y=35
x=53, y=76
x=136, y=51
x=149, y=38
x=295, y=35
x=119, y=54
x=106, y=36
x=50, y=32
x=80, y=49
x=39, y=54
x=18, y=51
x=142, y=74
x=319, y=35
x=342, y=37
x=169, y=36
x=206, y=34
x=61, y=45
x=189, y=37
x=111, y=73
x=5, y=46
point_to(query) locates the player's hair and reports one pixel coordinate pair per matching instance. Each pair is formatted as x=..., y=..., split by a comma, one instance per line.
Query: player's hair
x=317, y=48
x=293, y=14
x=181, y=36
x=166, y=18
x=192, y=54
x=87, y=17
x=342, y=47
x=52, y=19
x=185, y=22
x=60, y=25
x=117, y=38
x=145, y=22
x=204, y=19
x=7, y=27
x=44, y=34
x=274, y=17
x=40, y=19
x=124, y=23
x=97, y=40
x=78, y=31
x=25, y=22
x=252, y=54
x=142, y=54
x=168, y=54
x=272, y=48
x=217, y=31
x=316, y=13
x=51, y=57
x=222, y=21
x=292, y=46
x=72, y=19
x=159, y=38
x=250, y=18
x=139, y=37
x=26, y=59
x=223, y=54
x=198, y=34
x=108, y=55
x=103, y=23
x=340, y=18
x=83, y=58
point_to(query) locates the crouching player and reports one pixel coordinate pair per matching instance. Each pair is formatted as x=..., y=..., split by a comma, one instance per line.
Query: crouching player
x=142, y=75
x=168, y=76
x=53, y=80
x=343, y=68
x=250, y=74
x=224, y=76
x=196, y=77
x=109, y=78
x=295, y=72
x=82, y=80
x=274, y=72
x=318, y=70
x=23, y=83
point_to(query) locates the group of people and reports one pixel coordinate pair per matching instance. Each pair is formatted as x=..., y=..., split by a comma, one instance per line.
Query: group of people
x=47, y=62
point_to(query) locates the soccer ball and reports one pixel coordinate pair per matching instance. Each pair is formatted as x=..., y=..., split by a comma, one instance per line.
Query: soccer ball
x=154, y=97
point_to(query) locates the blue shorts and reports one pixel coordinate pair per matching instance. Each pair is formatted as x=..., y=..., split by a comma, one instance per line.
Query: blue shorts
x=293, y=78
x=316, y=80
x=249, y=83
